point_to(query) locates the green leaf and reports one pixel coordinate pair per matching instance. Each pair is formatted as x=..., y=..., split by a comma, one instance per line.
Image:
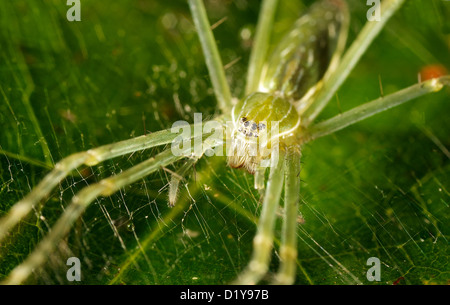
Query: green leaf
x=380, y=188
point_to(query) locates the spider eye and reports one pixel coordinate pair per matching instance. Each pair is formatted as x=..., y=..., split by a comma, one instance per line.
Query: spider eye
x=254, y=126
x=261, y=126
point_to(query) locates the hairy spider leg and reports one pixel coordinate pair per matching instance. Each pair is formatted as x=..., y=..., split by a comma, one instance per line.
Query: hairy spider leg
x=81, y=201
x=260, y=47
x=64, y=167
x=288, y=248
x=263, y=241
x=369, y=109
x=212, y=56
x=177, y=177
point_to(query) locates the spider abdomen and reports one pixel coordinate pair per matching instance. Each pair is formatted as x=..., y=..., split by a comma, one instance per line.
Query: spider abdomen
x=307, y=51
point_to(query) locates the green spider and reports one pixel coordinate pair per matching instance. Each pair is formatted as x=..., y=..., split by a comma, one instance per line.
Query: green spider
x=291, y=87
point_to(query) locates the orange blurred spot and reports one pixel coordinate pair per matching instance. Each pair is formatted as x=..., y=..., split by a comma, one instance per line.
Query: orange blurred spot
x=432, y=71
x=398, y=280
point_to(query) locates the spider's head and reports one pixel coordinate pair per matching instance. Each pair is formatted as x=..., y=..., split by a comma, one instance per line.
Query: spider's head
x=261, y=122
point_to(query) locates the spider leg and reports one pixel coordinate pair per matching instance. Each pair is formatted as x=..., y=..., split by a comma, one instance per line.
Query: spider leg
x=259, y=178
x=369, y=32
x=263, y=241
x=177, y=177
x=288, y=248
x=79, y=204
x=260, y=45
x=207, y=144
x=212, y=56
x=376, y=106
x=65, y=166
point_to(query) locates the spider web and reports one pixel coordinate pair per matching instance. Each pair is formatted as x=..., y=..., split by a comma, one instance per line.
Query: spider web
x=378, y=189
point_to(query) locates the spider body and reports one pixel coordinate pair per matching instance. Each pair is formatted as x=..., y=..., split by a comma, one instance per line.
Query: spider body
x=262, y=121
x=291, y=76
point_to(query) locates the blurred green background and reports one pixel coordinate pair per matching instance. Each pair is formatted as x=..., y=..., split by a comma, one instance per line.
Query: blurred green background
x=380, y=188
